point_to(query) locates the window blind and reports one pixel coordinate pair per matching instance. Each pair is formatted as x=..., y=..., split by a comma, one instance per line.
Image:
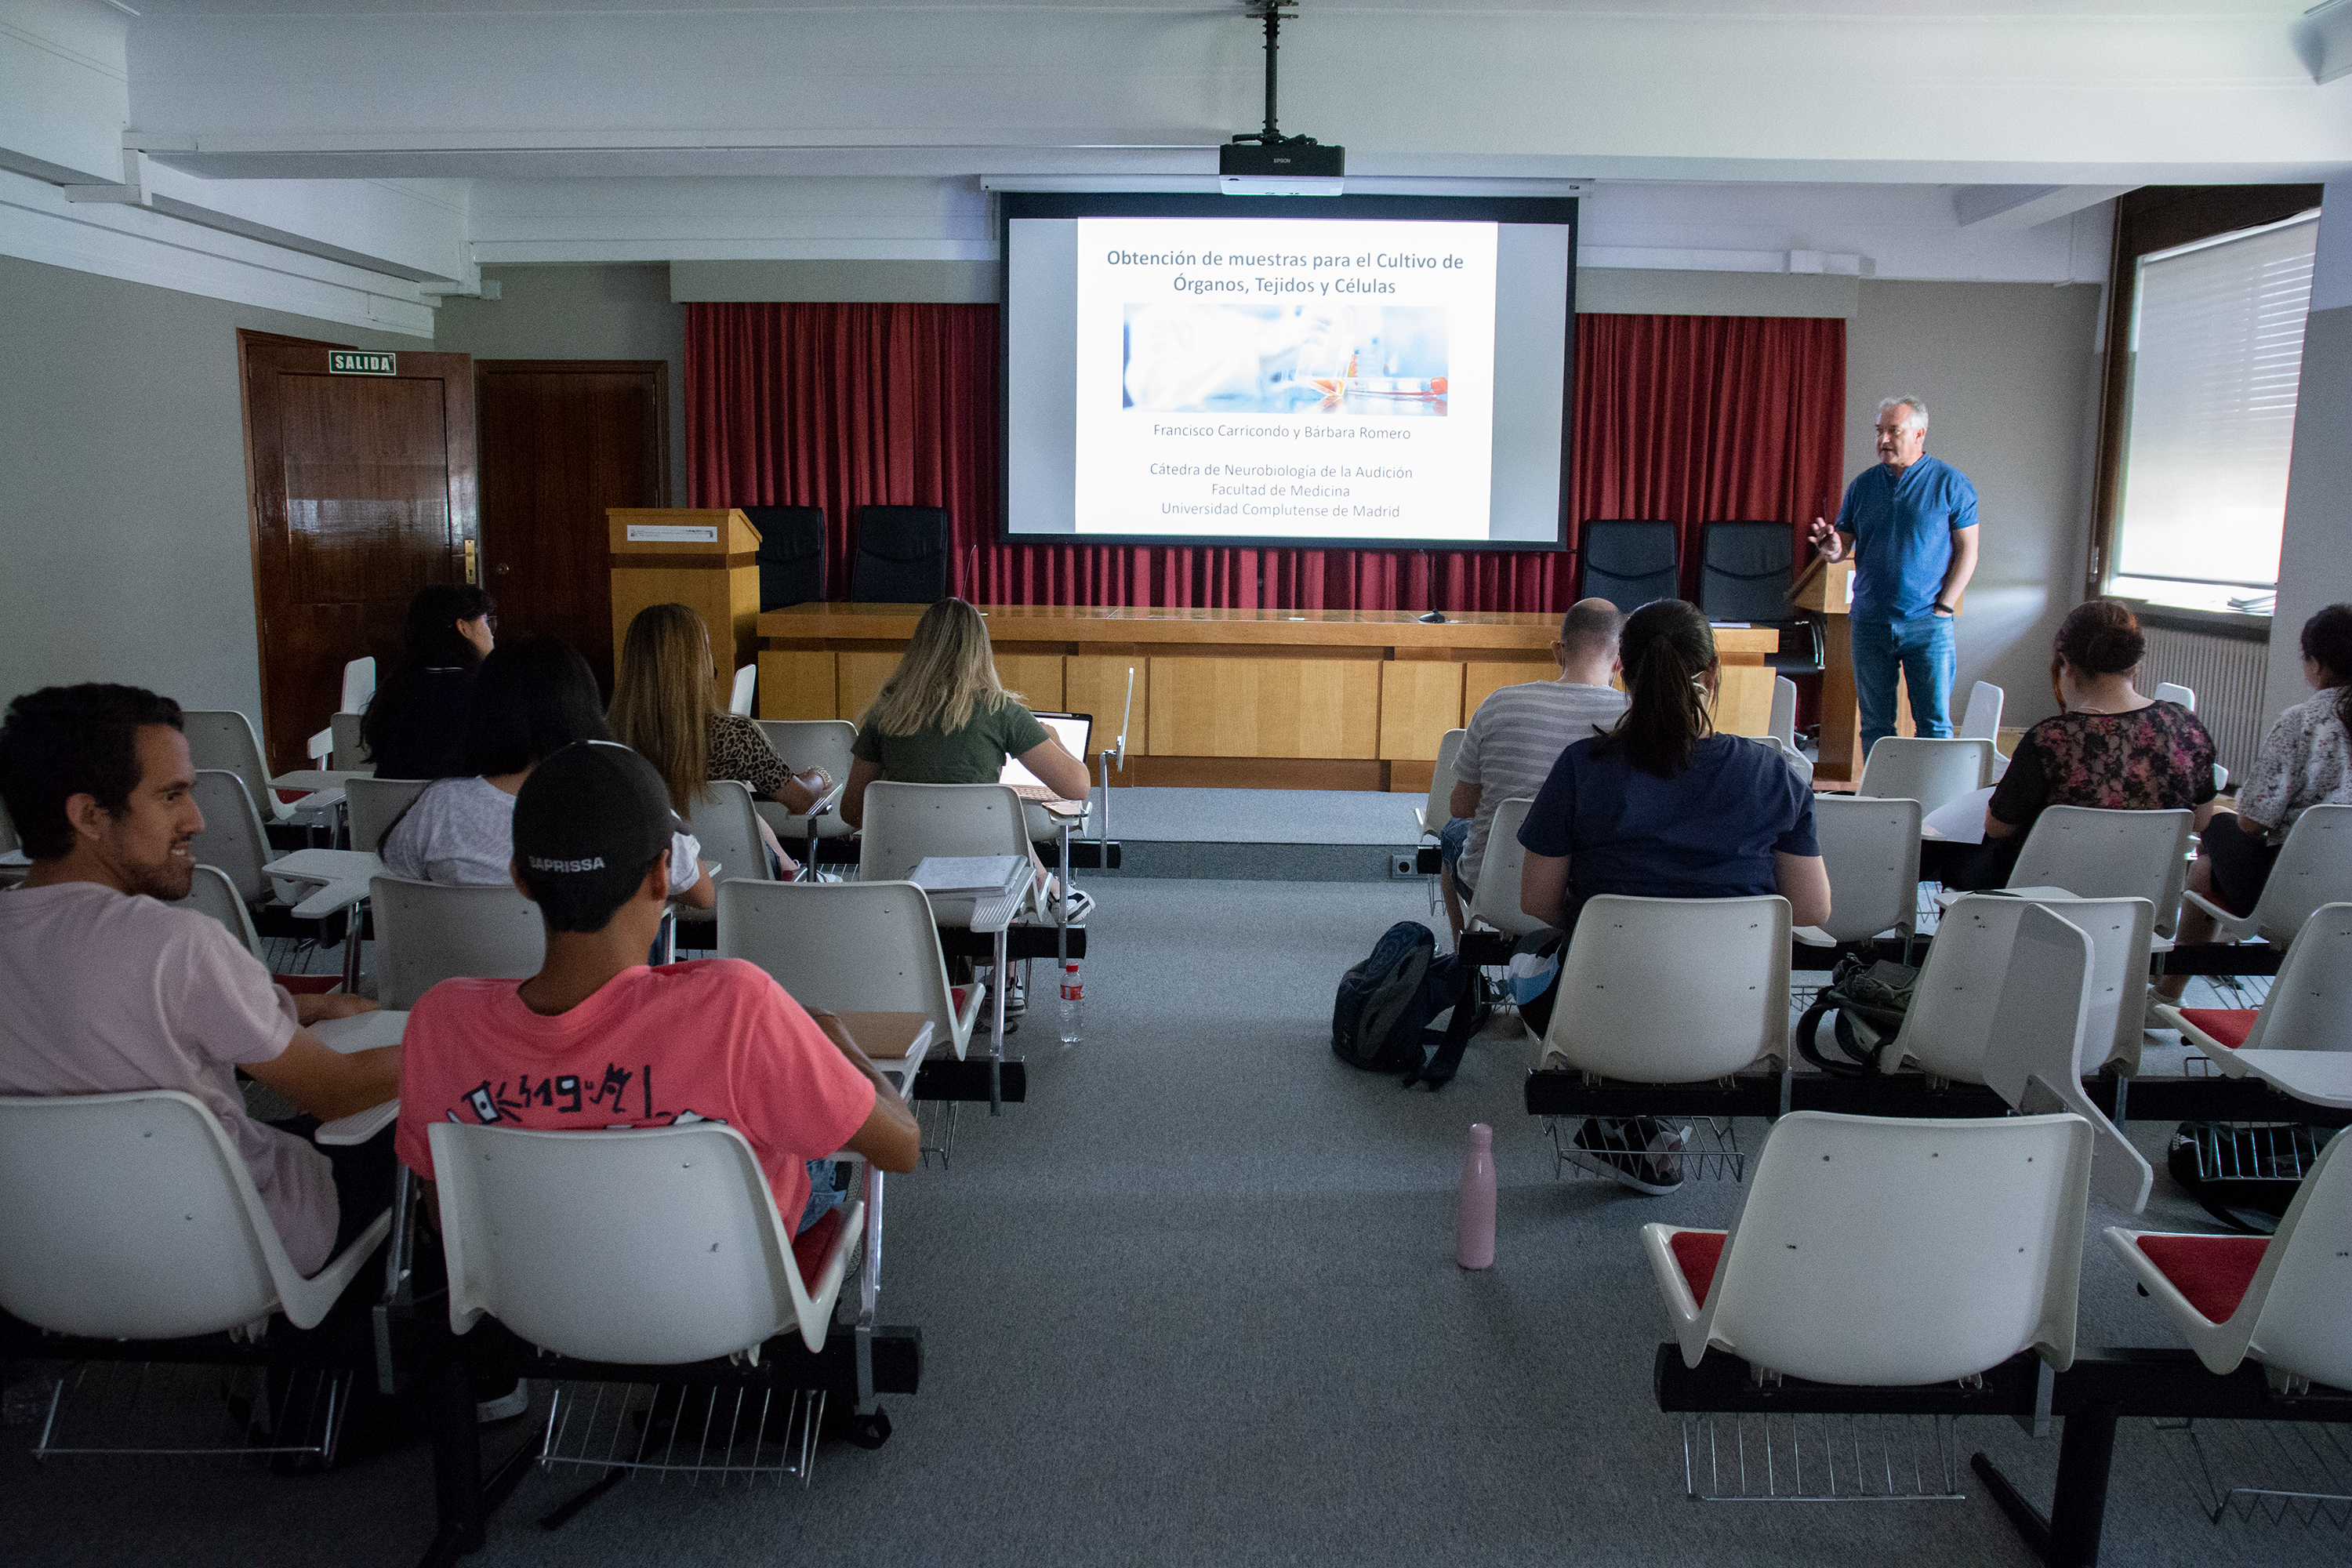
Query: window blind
x=2217, y=353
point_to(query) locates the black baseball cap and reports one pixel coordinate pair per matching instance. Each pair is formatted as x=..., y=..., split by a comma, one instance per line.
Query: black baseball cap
x=592, y=818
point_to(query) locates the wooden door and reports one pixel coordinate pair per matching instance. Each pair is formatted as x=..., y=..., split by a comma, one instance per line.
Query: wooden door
x=362, y=491
x=562, y=440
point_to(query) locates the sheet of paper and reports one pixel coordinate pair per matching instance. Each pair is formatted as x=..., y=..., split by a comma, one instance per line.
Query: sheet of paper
x=362, y=1031
x=1959, y=820
x=967, y=875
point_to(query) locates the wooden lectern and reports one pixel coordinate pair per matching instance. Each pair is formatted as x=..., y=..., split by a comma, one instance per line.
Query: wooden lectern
x=703, y=558
x=1826, y=588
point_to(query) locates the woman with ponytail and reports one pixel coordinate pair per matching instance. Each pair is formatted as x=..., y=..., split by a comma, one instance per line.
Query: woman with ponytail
x=2305, y=761
x=1662, y=806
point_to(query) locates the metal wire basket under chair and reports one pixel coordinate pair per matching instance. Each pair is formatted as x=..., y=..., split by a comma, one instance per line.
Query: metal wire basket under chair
x=720, y=1433
x=2281, y=1472
x=1594, y=1147
x=165, y=1408
x=1820, y=1458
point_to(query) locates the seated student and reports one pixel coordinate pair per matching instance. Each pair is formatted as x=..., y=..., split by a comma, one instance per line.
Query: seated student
x=596, y=1039
x=2109, y=748
x=1519, y=731
x=2305, y=761
x=535, y=697
x=414, y=725
x=1663, y=807
x=109, y=990
x=945, y=717
x=663, y=709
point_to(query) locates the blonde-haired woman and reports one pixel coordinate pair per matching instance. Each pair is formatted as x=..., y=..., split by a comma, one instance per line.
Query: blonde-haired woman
x=663, y=708
x=944, y=718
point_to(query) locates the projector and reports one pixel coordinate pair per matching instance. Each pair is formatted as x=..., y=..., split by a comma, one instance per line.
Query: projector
x=1295, y=166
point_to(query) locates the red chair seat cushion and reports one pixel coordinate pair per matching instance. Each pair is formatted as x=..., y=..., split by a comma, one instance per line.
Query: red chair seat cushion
x=1697, y=1252
x=2230, y=1025
x=812, y=1246
x=2212, y=1271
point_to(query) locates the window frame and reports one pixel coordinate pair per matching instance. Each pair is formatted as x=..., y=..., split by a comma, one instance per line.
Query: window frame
x=2148, y=220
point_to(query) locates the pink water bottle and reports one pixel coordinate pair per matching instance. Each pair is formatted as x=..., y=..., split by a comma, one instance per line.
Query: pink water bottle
x=1474, y=1221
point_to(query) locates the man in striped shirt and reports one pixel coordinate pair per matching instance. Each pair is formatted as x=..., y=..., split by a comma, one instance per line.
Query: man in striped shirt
x=1519, y=731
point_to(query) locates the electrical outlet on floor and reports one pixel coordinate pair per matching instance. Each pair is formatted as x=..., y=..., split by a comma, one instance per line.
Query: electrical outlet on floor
x=1402, y=865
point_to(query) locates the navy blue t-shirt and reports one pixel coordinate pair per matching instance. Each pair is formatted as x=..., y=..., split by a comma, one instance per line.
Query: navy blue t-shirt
x=1903, y=525
x=1709, y=832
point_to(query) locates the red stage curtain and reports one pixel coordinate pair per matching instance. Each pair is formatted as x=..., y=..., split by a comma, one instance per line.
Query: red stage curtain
x=1694, y=419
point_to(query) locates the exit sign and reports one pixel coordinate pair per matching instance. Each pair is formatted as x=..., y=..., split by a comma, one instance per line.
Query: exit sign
x=351, y=362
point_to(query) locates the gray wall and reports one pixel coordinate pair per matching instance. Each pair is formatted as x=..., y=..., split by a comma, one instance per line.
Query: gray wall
x=125, y=541
x=2011, y=380
x=2315, y=555
x=618, y=310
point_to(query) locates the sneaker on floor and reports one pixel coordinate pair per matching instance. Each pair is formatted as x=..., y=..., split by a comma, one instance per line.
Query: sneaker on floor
x=1016, y=999
x=1661, y=1164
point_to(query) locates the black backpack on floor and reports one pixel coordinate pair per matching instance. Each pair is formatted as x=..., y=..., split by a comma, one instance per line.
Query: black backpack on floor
x=1385, y=1002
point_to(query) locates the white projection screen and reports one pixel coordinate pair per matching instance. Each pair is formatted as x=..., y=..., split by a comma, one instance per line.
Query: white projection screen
x=1355, y=371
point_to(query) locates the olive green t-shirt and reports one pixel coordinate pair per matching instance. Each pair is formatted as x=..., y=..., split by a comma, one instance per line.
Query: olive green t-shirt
x=973, y=754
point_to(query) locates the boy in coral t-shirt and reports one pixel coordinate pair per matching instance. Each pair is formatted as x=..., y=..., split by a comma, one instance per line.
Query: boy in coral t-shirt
x=596, y=1039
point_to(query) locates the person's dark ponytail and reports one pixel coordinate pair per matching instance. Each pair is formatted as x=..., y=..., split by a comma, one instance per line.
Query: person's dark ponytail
x=1665, y=647
x=2328, y=641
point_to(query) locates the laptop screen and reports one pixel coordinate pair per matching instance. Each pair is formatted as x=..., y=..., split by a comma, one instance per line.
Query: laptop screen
x=1071, y=729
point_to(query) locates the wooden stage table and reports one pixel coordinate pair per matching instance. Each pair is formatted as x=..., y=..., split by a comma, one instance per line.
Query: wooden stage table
x=1239, y=699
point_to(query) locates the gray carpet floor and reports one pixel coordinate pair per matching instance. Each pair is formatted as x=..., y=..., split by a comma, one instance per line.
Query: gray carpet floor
x=1195, y=1302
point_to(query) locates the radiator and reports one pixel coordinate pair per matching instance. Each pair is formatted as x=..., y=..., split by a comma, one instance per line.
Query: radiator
x=2227, y=675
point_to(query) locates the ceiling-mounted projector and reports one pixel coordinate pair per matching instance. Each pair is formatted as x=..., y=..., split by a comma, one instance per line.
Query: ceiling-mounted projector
x=1297, y=166
x=1266, y=162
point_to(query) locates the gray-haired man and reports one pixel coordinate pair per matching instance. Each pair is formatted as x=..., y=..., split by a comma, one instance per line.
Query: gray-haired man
x=1910, y=523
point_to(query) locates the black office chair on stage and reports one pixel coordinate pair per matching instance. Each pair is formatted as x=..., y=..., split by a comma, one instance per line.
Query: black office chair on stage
x=1744, y=572
x=1629, y=563
x=791, y=553
x=902, y=555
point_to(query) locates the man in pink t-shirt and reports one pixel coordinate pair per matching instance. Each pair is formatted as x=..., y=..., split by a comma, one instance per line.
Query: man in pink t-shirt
x=110, y=990
x=596, y=1039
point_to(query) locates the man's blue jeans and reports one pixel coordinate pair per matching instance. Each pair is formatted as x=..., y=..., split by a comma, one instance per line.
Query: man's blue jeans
x=1921, y=647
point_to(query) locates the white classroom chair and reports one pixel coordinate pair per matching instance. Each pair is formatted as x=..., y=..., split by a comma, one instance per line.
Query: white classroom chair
x=224, y=740
x=2096, y=854
x=350, y=753
x=1434, y=812
x=746, y=682
x=427, y=932
x=1870, y=847
x=1886, y=1251
x=1494, y=901
x=651, y=1246
x=2173, y=691
x=358, y=685
x=212, y=893
x=233, y=839
x=805, y=743
x=728, y=829
x=1952, y=1023
x=2314, y=868
x=374, y=805
x=132, y=1216
x=1911, y=767
x=869, y=947
x=2288, y=1315
x=906, y=821
x=1672, y=989
x=2308, y=1007
x=1799, y=763
x=1784, y=725
x=1982, y=719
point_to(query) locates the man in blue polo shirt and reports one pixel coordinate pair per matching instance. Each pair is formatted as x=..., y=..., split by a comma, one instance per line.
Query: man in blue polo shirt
x=1910, y=524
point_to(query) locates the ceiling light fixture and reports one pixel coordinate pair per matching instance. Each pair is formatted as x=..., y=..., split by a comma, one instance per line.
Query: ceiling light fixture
x=1267, y=162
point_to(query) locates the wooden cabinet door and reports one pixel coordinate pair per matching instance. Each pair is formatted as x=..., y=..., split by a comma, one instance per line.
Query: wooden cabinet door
x=362, y=492
x=561, y=441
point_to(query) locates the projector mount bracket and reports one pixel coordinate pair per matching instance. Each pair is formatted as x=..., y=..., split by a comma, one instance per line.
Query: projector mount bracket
x=1271, y=12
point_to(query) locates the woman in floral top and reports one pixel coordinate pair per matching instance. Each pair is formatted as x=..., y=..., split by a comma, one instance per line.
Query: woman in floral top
x=2305, y=761
x=2110, y=748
